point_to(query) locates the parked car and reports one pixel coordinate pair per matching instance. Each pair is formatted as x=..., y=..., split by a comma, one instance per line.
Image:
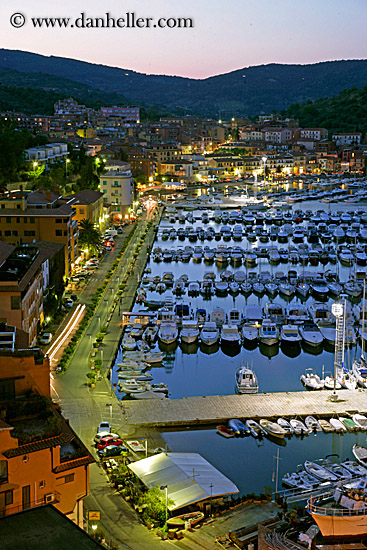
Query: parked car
x=108, y=247
x=112, y=450
x=68, y=302
x=106, y=441
x=101, y=435
x=104, y=427
x=46, y=338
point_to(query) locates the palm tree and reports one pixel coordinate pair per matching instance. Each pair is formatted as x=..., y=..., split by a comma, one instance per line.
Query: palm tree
x=90, y=238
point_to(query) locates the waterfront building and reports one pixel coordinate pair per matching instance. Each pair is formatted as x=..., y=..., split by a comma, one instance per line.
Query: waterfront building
x=117, y=189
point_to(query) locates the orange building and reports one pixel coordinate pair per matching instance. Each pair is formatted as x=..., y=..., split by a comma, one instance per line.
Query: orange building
x=26, y=217
x=88, y=205
x=41, y=459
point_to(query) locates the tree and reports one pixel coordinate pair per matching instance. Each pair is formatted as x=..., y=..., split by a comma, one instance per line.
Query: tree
x=154, y=503
x=90, y=238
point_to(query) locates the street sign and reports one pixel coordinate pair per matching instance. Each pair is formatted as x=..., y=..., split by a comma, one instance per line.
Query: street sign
x=96, y=516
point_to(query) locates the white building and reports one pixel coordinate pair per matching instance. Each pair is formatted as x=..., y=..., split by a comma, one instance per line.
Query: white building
x=117, y=189
x=47, y=154
x=347, y=138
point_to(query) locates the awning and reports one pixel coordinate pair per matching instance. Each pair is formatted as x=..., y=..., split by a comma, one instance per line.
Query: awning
x=188, y=476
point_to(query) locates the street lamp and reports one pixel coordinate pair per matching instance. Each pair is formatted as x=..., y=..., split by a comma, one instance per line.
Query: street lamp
x=94, y=527
x=166, y=491
x=264, y=159
x=66, y=169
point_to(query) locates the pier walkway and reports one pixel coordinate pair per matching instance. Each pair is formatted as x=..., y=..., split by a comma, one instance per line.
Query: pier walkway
x=218, y=409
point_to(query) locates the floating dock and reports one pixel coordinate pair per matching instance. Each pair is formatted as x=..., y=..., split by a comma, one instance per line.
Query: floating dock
x=218, y=409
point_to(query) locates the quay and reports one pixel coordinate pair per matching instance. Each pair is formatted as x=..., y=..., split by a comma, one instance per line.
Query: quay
x=218, y=409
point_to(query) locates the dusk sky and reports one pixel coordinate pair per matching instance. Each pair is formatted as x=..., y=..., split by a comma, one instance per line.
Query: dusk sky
x=227, y=34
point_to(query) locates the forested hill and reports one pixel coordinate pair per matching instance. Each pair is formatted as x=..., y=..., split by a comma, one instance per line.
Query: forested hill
x=345, y=112
x=247, y=91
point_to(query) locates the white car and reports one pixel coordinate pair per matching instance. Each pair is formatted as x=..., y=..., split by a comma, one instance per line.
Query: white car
x=46, y=338
x=104, y=427
x=99, y=436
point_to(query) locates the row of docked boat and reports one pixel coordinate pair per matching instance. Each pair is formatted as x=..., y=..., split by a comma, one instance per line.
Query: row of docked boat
x=282, y=427
x=133, y=378
x=304, y=254
x=273, y=216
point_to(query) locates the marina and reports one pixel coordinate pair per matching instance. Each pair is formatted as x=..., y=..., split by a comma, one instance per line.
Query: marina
x=235, y=282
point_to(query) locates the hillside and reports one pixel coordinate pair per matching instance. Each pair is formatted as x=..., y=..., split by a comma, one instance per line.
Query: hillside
x=345, y=112
x=247, y=91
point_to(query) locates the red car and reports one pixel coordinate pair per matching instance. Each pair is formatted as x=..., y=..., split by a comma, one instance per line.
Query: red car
x=106, y=441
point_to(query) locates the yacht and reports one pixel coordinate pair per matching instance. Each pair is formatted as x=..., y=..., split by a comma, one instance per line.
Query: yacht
x=246, y=380
x=209, y=333
x=250, y=333
x=230, y=335
x=311, y=335
x=269, y=333
x=168, y=333
x=189, y=331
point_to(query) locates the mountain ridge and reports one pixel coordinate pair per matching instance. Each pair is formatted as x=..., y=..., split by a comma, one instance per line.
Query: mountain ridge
x=247, y=91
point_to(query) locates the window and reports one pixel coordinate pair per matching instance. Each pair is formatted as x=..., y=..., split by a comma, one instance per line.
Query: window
x=81, y=210
x=3, y=471
x=29, y=233
x=7, y=233
x=15, y=302
x=65, y=479
x=58, y=220
x=58, y=233
x=2, y=205
x=6, y=498
x=8, y=220
x=14, y=233
x=31, y=220
x=25, y=220
x=18, y=220
x=104, y=183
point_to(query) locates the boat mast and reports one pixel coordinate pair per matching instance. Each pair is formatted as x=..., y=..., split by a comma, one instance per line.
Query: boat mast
x=363, y=309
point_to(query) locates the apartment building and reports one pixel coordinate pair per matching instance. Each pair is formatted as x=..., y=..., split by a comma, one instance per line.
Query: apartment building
x=26, y=217
x=347, y=138
x=277, y=135
x=117, y=189
x=314, y=133
x=88, y=205
x=164, y=152
x=181, y=169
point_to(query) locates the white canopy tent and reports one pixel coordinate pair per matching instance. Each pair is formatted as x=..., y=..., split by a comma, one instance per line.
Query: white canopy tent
x=188, y=476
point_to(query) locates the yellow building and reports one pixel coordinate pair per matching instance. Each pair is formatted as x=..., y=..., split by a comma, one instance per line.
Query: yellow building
x=88, y=205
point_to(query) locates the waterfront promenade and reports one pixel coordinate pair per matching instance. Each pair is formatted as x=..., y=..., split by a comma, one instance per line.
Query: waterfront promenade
x=218, y=409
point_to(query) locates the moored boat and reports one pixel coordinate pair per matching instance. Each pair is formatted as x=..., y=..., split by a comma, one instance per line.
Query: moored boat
x=272, y=428
x=224, y=431
x=246, y=380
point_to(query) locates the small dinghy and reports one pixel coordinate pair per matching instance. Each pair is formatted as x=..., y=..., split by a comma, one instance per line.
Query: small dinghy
x=255, y=429
x=238, y=427
x=361, y=421
x=319, y=471
x=354, y=468
x=312, y=381
x=360, y=454
x=326, y=426
x=272, y=428
x=349, y=424
x=338, y=470
x=285, y=425
x=337, y=425
x=224, y=431
x=299, y=427
x=312, y=424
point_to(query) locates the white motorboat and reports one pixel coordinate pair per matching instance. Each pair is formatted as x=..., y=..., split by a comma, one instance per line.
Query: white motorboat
x=168, y=333
x=311, y=380
x=290, y=335
x=299, y=427
x=300, y=480
x=150, y=333
x=246, y=380
x=271, y=288
x=312, y=424
x=337, y=425
x=360, y=454
x=230, y=335
x=359, y=369
x=218, y=316
x=319, y=471
x=128, y=342
x=153, y=357
x=287, y=289
x=269, y=333
x=209, y=333
x=331, y=383
x=360, y=420
x=347, y=379
x=302, y=289
x=189, y=331
x=311, y=335
x=250, y=333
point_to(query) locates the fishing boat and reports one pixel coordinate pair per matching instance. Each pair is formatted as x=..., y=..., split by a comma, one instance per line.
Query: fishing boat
x=355, y=469
x=360, y=454
x=272, y=428
x=289, y=335
x=224, y=431
x=299, y=427
x=246, y=380
x=312, y=424
x=230, y=335
x=285, y=425
x=255, y=429
x=341, y=513
x=319, y=471
x=189, y=331
x=300, y=480
x=238, y=427
x=209, y=333
x=269, y=333
x=360, y=420
x=325, y=425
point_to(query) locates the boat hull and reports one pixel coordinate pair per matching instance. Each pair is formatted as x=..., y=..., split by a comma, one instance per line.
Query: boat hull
x=341, y=526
